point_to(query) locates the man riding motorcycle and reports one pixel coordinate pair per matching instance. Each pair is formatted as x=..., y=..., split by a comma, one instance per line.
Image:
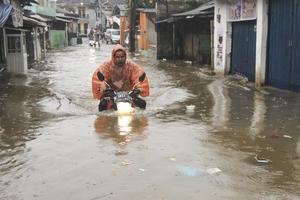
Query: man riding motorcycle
x=120, y=74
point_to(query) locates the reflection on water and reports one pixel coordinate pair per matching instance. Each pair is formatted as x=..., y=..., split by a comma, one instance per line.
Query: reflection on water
x=122, y=128
x=222, y=104
x=260, y=124
x=259, y=114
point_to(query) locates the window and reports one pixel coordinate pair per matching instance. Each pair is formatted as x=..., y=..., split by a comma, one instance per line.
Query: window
x=14, y=44
x=81, y=12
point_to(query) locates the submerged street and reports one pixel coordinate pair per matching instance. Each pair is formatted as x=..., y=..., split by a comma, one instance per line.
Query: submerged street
x=237, y=143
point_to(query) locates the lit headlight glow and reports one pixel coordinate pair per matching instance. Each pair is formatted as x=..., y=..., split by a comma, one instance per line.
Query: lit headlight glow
x=124, y=108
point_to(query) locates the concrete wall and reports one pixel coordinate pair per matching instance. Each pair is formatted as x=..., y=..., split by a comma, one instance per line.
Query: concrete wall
x=92, y=17
x=57, y=38
x=223, y=39
x=151, y=33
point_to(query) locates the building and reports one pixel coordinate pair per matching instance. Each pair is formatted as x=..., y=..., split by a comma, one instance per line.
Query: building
x=44, y=11
x=258, y=39
x=15, y=32
x=187, y=35
x=147, y=28
x=86, y=12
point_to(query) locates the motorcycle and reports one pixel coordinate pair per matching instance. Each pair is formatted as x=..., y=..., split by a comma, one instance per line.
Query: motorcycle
x=122, y=101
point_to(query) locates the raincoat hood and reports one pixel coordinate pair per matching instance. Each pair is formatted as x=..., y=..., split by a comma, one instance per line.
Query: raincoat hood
x=125, y=78
x=116, y=48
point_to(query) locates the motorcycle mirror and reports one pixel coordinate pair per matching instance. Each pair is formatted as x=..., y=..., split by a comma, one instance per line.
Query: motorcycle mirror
x=142, y=77
x=100, y=76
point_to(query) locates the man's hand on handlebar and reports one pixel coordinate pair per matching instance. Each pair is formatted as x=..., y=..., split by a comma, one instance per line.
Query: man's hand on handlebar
x=135, y=92
x=108, y=92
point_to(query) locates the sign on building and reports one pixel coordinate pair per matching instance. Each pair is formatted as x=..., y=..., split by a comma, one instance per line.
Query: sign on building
x=17, y=16
x=239, y=10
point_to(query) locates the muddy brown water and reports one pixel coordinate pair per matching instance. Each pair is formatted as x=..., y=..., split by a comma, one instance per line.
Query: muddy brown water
x=55, y=145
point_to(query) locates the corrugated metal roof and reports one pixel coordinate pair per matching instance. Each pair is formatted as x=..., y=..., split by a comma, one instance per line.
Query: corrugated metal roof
x=61, y=15
x=33, y=21
x=62, y=20
x=40, y=18
x=203, y=9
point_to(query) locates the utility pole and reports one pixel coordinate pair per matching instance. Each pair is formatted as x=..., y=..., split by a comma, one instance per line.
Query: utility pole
x=132, y=4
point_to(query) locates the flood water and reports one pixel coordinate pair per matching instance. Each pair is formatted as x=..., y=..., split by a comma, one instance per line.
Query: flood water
x=55, y=145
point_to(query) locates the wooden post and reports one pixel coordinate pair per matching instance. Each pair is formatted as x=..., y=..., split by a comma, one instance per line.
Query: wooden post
x=212, y=43
x=132, y=26
x=174, y=41
x=192, y=44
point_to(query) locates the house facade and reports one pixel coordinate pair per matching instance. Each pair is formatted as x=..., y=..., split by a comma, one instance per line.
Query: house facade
x=13, y=36
x=86, y=12
x=187, y=35
x=147, y=28
x=258, y=39
x=44, y=11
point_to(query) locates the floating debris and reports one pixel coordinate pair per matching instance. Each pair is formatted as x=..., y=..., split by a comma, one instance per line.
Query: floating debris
x=121, y=153
x=125, y=163
x=287, y=136
x=213, y=170
x=190, y=108
x=190, y=171
x=262, y=160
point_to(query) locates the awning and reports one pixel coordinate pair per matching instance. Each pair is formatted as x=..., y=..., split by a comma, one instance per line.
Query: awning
x=116, y=19
x=40, y=18
x=168, y=20
x=33, y=21
x=62, y=20
x=61, y=15
x=205, y=10
x=5, y=11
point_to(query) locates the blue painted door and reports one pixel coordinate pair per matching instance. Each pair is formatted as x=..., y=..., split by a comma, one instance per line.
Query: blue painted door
x=284, y=45
x=244, y=48
x=295, y=80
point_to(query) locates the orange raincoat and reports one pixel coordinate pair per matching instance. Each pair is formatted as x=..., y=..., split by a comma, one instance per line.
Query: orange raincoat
x=120, y=79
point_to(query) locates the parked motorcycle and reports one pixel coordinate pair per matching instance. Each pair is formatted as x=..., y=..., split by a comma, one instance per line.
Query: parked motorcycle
x=122, y=101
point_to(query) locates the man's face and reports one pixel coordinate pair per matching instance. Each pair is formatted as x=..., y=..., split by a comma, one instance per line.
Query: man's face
x=120, y=58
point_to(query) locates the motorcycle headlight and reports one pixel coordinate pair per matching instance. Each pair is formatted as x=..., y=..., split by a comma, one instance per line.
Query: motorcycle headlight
x=124, y=108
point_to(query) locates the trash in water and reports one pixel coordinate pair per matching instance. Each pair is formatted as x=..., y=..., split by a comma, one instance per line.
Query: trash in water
x=164, y=59
x=287, y=136
x=213, y=171
x=122, y=143
x=188, y=62
x=262, y=160
x=125, y=163
x=190, y=108
x=121, y=153
x=190, y=171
